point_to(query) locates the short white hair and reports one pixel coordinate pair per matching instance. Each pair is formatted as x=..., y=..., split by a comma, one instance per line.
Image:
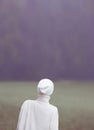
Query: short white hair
x=45, y=86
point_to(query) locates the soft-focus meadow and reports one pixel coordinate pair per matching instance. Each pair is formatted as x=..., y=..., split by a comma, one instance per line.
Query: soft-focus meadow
x=75, y=102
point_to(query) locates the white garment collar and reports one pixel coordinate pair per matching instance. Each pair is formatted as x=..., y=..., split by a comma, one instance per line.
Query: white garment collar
x=43, y=98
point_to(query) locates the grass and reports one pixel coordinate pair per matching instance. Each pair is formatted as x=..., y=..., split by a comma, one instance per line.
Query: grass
x=73, y=99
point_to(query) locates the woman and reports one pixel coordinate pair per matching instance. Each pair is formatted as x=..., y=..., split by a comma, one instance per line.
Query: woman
x=39, y=114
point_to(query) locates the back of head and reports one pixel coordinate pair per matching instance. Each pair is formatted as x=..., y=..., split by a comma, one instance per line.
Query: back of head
x=45, y=86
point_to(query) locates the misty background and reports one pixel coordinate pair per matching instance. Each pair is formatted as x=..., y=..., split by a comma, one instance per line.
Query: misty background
x=46, y=38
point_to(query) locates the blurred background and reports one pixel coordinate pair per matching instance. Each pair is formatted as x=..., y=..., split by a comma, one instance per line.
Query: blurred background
x=48, y=39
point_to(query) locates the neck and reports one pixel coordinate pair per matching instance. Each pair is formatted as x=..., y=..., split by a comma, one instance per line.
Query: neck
x=43, y=98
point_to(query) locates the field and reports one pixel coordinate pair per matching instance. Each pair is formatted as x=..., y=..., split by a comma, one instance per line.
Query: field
x=75, y=102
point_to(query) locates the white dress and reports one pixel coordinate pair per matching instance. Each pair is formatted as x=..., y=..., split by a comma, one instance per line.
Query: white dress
x=38, y=115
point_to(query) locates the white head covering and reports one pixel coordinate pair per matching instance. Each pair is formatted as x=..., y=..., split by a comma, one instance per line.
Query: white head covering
x=45, y=86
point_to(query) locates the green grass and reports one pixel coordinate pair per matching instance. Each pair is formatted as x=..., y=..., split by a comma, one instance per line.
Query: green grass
x=73, y=99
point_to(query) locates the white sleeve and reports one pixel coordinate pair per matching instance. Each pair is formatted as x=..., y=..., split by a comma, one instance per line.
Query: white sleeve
x=55, y=120
x=22, y=117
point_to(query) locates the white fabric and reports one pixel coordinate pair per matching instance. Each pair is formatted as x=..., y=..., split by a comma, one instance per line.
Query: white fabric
x=38, y=115
x=46, y=86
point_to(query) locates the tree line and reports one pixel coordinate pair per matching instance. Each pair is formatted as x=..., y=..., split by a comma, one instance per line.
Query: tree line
x=52, y=38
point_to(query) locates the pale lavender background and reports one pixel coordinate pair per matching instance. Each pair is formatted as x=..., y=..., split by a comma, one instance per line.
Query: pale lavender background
x=46, y=38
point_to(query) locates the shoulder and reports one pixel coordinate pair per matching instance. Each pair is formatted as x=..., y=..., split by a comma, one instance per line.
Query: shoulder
x=53, y=108
x=26, y=103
